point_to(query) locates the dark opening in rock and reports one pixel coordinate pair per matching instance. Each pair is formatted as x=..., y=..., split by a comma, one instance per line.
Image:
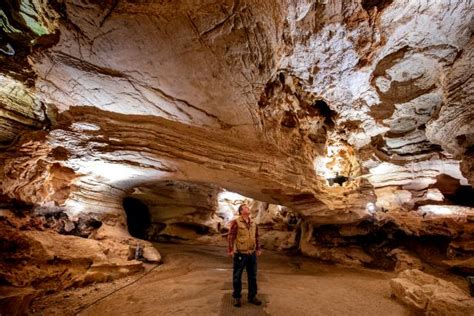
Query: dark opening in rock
x=138, y=217
x=18, y=207
x=380, y=4
x=337, y=179
x=453, y=191
x=289, y=120
x=302, y=197
x=461, y=140
x=324, y=110
x=462, y=196
x=281, y=76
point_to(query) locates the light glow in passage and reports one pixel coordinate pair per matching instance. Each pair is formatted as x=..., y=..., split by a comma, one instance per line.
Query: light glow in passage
x=228, y=204
x=320, y=164
x=371, y=208
x=445, y=210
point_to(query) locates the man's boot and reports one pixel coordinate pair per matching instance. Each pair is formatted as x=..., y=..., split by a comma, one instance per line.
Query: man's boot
x=237, y=302
x=255, y=301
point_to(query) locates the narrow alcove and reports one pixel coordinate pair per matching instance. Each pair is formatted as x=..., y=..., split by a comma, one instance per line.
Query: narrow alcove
x=324, y=110
x=138, y=217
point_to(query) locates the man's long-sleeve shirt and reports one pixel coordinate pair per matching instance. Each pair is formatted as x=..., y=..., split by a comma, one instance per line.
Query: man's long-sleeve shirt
x=233, y=235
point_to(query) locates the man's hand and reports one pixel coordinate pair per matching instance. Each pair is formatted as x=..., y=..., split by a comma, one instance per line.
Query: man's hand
x=230, y=253
x=259, y=252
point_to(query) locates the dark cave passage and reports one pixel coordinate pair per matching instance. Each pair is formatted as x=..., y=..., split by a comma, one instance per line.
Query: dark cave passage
x=138, y=217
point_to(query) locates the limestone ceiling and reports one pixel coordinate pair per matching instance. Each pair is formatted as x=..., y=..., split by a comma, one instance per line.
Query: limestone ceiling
x=242, y=94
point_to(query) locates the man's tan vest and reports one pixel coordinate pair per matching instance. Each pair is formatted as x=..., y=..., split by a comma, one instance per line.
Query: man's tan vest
x=245, y=241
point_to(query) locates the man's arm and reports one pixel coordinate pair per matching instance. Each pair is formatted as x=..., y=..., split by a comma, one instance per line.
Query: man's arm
x=231, y=237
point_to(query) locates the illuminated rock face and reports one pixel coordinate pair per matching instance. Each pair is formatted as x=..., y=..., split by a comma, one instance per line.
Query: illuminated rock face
x=179, y=211
x=276, y=84
x=196, y=213
x=319, y=107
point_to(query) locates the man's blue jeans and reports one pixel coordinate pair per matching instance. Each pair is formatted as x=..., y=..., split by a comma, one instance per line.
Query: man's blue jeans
x=241, y=262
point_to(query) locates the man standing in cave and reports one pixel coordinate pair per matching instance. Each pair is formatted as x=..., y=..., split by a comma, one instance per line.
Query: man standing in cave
x=244, y=247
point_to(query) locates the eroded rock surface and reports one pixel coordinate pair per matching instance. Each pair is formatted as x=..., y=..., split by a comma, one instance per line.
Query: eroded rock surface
x=431, y=295
x=356, y=117
x=352, y=72
x=51, y=251
x=176, y=210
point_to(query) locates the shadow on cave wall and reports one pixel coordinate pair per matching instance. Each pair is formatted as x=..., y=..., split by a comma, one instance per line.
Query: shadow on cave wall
x=453, y=191
x=378, y=240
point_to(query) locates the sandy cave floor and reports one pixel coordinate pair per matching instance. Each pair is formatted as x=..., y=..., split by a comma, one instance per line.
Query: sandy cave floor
x=196, y=280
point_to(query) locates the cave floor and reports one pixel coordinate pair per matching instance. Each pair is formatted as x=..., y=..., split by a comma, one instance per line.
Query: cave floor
x=196, y=280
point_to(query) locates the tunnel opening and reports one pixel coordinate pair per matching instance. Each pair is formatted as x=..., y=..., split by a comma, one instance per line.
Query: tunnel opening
x=138, y=217
x=200, y=213
x=454, y=191
x=337, y=179
x=178, y=212
x=379, y=4
x=462, y=196
x=325, y=111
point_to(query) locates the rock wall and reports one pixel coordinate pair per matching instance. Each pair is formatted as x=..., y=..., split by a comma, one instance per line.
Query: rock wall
x=395, y=240
x=335, y=110
x=194, y=213
x=180, y=211
x=373, y=77
x=46, y=250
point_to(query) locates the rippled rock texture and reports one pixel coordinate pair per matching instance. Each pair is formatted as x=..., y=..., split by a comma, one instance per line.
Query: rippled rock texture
x=356, y=116
x=430, y=295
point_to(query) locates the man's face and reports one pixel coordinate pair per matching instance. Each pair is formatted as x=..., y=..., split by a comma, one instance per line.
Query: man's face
x=245, y=211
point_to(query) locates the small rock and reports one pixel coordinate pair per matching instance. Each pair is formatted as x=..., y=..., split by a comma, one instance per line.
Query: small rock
x=151, y=255
x=405, y=260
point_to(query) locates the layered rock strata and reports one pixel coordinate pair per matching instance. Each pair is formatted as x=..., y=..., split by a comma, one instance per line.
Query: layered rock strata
x=50, y=251
x=355, y=115
x=362, y=76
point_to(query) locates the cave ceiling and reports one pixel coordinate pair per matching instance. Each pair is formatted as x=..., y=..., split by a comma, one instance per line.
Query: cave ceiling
x=265, y=98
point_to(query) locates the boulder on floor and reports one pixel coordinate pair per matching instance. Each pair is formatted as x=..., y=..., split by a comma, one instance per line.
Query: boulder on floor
x=431, y=295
